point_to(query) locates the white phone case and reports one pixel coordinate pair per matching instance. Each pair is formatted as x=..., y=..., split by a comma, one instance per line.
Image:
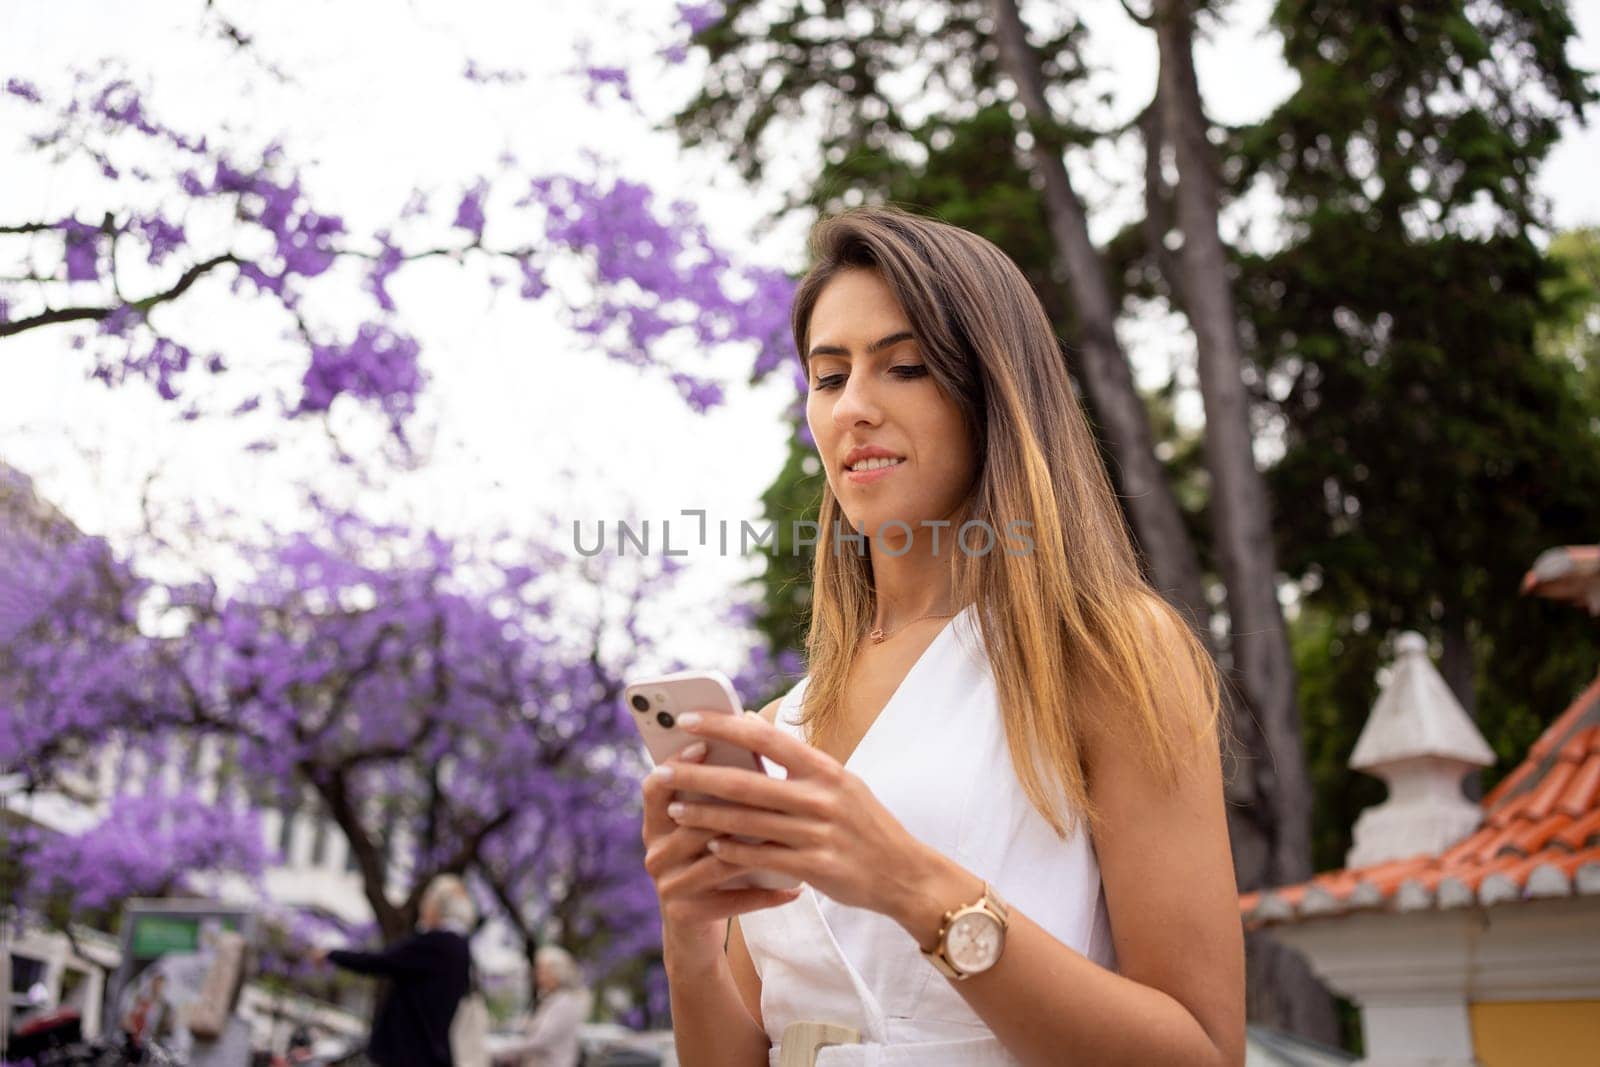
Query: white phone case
x=654, y=705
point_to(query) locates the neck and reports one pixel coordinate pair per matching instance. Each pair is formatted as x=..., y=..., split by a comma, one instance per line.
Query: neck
x=913, y=585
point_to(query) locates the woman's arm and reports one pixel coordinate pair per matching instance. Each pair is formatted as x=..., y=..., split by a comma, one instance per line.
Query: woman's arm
x=553, y=1023
x=711, y=1018
x=1178, y=994
x=1164, y=859
x=710, y=1023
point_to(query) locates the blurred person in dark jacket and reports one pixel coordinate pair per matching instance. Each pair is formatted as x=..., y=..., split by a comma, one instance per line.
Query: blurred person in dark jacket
x=428, y=973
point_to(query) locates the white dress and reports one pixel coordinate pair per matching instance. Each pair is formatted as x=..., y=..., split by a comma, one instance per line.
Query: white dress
x=936, y=758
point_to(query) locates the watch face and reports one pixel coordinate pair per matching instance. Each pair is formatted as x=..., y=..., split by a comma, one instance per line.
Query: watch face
x=973, y=942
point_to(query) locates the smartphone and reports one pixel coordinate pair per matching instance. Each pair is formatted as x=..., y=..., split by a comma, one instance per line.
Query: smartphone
x=654, y=704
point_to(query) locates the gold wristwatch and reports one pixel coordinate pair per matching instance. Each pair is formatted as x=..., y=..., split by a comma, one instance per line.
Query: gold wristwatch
x=971, y=937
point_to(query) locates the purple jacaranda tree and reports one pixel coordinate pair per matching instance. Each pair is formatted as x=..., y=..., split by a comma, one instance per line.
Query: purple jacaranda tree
x=177, y=214
x=448, y=710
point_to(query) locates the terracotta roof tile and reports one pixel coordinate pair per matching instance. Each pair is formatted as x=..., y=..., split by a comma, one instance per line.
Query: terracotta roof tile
x=1533, y=838
x=1502, y=816
x=1549, y=791
x=1510, y=784
x=1491, y=846
x=1571, y=863
x=1540, y=838
x=1581, y=833
x=1388, y=877
x=1556, y=733
x=1581, y=791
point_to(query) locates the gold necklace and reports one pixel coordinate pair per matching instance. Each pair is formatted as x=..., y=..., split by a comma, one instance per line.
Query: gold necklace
x=878, y=637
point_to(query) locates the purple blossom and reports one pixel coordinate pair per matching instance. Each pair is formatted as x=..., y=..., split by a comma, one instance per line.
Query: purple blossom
x=24, y=89
x=165, y=360
x=162, y=236
x=82, y=251
x=699, y=17
x=486, y=76
x=658, y=273
x=533, y=283
x=150, y=843
x=469, y=214
x=121, y=321
x=389, y=260
x=699, y=393
x=659, y=284
x=119, y=103
x=378, y=364
x=600, y=77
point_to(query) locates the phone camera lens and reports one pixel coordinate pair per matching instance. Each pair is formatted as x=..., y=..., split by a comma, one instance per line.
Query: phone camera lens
x=640, y=702
x=664, y=719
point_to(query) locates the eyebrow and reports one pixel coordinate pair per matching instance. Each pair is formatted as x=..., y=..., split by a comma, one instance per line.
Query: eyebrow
x=876, y=346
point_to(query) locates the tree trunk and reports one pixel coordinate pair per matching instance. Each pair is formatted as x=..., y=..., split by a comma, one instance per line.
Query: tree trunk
x=369, y=857
x=1458, y=666
x=1103, y=368
x=1240, y=517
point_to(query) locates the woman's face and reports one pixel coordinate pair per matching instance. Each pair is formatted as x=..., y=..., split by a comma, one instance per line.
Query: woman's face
x=870, y=391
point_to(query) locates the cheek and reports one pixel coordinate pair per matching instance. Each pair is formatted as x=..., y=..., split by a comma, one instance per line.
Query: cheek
x=817, y=419
x=959, y=462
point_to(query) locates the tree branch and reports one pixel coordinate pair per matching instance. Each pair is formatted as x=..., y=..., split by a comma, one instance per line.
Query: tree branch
x=57, y=315
x=1147, y=21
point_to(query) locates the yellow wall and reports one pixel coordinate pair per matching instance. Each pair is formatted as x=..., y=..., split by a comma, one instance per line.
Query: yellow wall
x=1536, y=1033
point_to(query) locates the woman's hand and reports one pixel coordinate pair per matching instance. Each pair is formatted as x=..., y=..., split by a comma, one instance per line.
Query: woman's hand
x=694, y=911
x=822, y=824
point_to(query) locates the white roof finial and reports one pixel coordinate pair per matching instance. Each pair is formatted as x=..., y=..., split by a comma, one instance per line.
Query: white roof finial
x=1421, y=742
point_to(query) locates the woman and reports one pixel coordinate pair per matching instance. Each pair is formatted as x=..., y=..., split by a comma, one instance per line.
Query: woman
x=550, y=1037
x=1004, y=788
x=429, y=973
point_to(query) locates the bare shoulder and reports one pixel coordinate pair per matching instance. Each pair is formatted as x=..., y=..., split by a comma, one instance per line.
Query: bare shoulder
x=1162, y=838
x=770, y=712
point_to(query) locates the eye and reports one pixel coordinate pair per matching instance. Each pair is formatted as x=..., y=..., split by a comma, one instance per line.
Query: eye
x=909, y=370
x=829, y=381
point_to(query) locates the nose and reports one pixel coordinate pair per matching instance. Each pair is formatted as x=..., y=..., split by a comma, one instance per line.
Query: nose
x=858, y=403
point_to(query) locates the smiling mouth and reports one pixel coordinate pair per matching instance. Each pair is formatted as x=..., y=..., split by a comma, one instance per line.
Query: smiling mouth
x=875, y=464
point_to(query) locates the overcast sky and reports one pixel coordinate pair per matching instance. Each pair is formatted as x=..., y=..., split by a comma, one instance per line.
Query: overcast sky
x=527, y=424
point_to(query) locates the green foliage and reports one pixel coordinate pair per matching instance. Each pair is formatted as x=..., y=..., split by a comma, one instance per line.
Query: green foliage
x=1428, y=374
x=1570, y=331
x=792, y=498
x=1431, y=447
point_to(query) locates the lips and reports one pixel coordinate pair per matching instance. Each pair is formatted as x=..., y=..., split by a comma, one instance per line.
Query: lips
x=875, y=474
x=865, y=452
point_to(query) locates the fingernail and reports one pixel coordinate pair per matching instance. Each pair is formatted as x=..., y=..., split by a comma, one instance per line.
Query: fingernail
x=689, y=720
x=694, y=751
x=663, y=771
x=714, y=845
x=675, y=810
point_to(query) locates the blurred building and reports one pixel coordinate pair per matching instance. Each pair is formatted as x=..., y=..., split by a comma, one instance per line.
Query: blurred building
x=1467, y=933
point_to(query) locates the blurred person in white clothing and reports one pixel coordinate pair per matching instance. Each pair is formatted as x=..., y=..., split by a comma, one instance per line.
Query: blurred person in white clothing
x=550, y=1034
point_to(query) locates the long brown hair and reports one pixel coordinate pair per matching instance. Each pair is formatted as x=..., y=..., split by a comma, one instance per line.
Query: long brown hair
x=1072, y=629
